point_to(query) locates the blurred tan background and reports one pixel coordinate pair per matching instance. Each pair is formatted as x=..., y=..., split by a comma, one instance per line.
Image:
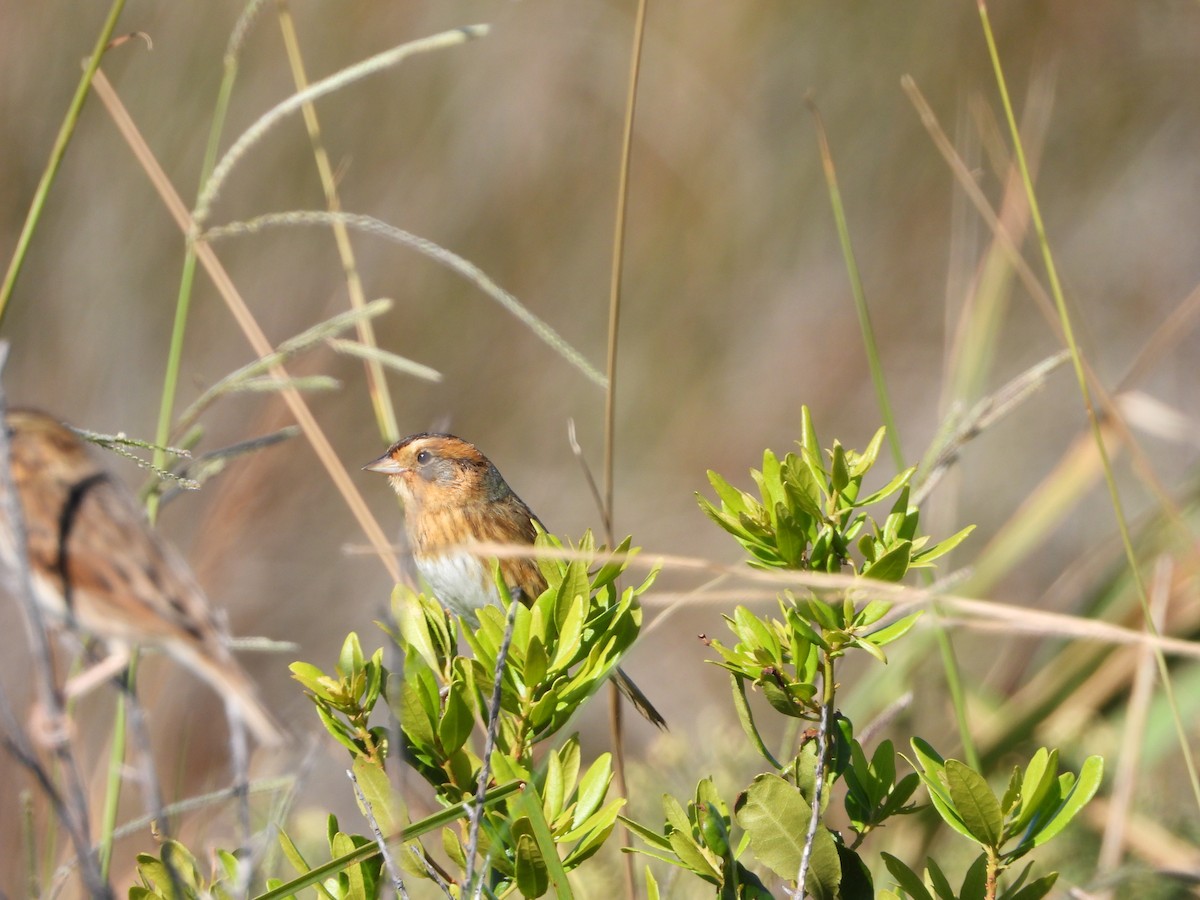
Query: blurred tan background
x=737, y=306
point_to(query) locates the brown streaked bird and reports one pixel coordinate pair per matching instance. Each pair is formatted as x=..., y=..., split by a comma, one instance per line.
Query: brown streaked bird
x=97, y=564
x=453, y=496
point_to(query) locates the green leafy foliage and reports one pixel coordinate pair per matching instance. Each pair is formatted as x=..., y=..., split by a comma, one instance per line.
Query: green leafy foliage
x=699, y=839
x=345, y=699
x=563, y=646
x=873, y=795
x=812, y=512
x=1037, y=805
x=549, y=811
x=174, y=873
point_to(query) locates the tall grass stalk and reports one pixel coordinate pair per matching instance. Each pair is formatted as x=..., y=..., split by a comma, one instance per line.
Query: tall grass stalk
x=1086, y=396
x=377, y=387
x=65, y=132
x=250, y=329
x=610, y=393
x=945, y=648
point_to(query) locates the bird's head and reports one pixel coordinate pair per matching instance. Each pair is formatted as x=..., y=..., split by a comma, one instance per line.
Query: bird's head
x=436, y=470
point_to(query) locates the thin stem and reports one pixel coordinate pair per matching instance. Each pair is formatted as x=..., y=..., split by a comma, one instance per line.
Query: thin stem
x=824, y=751
x=610, y=394
x=377, y=387
x=65, y=131
x=949, y=661
x=856, y=287
x=250, y=328
x=993, y=874
x=1086, y=395
x=388, y=861
x=332, y=83
x=485, y=770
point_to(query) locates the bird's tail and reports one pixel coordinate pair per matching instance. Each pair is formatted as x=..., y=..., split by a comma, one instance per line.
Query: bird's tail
x=639, y=700
x=234, y=686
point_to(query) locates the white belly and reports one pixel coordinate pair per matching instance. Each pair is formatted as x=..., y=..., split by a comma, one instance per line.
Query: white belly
x=460, y=581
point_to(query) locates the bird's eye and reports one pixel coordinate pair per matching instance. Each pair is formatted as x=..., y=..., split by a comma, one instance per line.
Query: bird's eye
x=424, y=456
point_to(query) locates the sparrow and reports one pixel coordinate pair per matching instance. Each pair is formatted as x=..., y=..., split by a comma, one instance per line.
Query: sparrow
x=97, y=565
x=453, y=497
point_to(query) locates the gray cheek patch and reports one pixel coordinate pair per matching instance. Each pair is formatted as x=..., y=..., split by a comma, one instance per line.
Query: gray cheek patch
x=442, y=471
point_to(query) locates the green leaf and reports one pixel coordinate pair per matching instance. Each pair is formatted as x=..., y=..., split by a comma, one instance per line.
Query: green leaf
x=925, y=557
x=536, y=664
x=570, y=635
x=1035, y=890
x=592, y=788
x=575, y=583
x=354, y=878
x=338, y=730
x=385, y=804
x=975, y=803
x=872, y=613
x=856, y=882
x=453, y=846
x=908, y=880
x=791, y=537
x=883, y=764
x=350, y=661
x=892, y=566
x=775, y=816
x=646, y=834
x=674, y=813
x=529, y=803
x=840, y=472
x=313, y=679
x=974, y=884
x=870, y=647
x=713, y=830
x=692, y=857
x=746, y=717
x=1012, y=796
x=651, y=886
x=867, y=458
x=895, y=630
x=416, y=720
x=1090, y=776
x=593, y=832
x=930, y=767
x=457, y=720
x=809, y=444
x=617, y=564
x=554, y=791
x=734, y=500
x=770, y=481
x=1040, y=776
x=940, y=883
x=531, y=876
x=888, y=489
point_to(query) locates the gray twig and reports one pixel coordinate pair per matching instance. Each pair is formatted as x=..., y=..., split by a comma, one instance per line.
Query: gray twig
x=814, y=820
x=979, y=418
x=485, y=770
x=397, y=881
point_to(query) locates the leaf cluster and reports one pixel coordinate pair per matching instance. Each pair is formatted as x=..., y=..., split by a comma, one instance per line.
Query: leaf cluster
x=811, y=513
x=561, y=647
x=1038, y=803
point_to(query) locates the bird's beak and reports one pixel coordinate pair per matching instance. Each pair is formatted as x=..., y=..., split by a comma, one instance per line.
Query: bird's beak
x=385, y=464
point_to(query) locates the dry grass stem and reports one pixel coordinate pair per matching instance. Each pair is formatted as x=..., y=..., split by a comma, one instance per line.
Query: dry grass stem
x=250, y=328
